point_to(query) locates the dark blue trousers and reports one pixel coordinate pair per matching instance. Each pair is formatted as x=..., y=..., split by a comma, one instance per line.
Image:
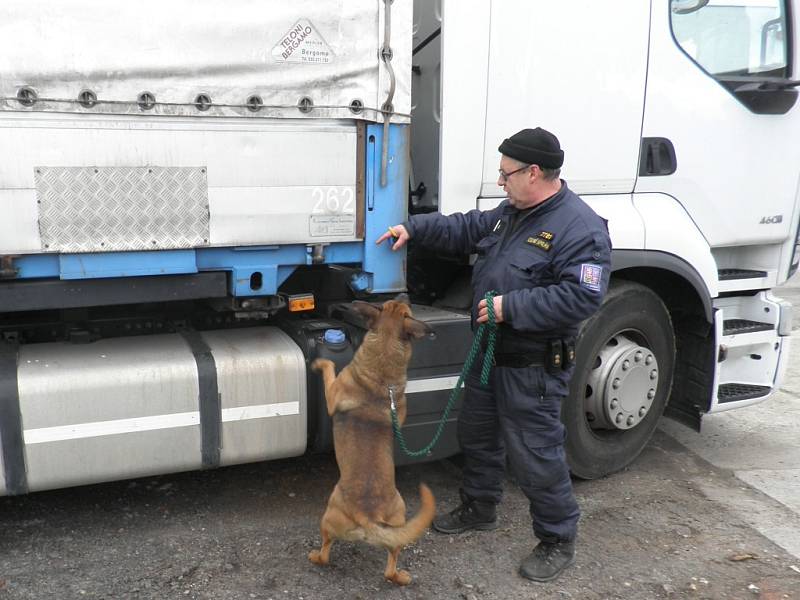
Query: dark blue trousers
x=518, y=416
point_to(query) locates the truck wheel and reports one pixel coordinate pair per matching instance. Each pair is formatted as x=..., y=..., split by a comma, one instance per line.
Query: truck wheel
x=623, y=376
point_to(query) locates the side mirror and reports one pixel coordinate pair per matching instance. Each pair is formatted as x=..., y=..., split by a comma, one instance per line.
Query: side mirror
x=684, y=7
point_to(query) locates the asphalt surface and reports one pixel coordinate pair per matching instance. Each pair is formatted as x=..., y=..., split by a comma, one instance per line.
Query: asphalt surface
x=760, y=446
x=651, y=531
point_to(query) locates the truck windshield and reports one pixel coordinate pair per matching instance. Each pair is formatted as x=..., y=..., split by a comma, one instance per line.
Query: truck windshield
x=735, y=37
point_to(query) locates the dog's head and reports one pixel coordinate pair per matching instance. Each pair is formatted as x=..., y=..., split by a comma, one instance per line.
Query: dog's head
x=393, y=319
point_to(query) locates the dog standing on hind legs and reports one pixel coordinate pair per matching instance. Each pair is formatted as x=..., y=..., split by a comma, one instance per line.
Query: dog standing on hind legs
x=365, y=504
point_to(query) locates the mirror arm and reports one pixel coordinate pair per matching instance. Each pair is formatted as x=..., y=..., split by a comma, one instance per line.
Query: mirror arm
x=784, y=84
x=765, y=85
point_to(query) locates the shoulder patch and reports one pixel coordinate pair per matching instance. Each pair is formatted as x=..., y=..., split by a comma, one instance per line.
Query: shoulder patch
x=539, y=243
x=591, y=276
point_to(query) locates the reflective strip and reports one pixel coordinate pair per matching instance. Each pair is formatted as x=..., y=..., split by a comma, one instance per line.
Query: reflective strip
x=119, y=426
x=139, y=424
x=431, y=385
x=262, y=411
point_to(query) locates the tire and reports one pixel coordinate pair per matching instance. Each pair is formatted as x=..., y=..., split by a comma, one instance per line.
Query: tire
x=632, y=325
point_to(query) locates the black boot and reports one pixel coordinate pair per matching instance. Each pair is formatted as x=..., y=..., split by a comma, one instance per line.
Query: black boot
x=470, y=514
x=548, y=560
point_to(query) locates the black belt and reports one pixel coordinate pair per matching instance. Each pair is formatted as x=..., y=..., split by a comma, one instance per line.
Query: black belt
x=519, y=360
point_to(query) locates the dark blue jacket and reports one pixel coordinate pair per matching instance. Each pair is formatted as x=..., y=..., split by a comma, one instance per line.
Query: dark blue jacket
x=552, y=269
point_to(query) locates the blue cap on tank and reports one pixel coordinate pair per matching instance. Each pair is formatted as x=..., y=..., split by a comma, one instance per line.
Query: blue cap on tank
x=334, y=336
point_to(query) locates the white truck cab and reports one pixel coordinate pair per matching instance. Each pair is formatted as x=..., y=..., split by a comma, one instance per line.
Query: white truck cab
x=678, y=120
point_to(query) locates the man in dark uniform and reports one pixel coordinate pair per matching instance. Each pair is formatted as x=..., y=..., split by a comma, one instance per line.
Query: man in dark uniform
x=547, y=256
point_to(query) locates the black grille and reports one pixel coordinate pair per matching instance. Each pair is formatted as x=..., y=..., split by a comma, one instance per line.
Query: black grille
x=728, y=274
x=733, y=392
x=732, y=326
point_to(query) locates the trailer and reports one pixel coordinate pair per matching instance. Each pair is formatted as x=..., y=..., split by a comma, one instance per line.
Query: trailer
x=191, y=197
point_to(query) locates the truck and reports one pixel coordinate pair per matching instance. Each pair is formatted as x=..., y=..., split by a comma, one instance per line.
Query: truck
x=191, y=197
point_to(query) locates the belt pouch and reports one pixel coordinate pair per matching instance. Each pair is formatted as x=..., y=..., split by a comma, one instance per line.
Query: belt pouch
x=569, y=353
x=555, y=356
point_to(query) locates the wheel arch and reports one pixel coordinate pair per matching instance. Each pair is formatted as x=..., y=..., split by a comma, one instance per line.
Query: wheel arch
x=675, y=280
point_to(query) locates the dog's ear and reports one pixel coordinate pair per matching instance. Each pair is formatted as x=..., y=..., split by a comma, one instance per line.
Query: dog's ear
x=416, y=329
x=368, y=311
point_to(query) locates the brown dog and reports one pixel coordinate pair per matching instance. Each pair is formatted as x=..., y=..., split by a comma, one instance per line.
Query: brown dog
x=365, y=504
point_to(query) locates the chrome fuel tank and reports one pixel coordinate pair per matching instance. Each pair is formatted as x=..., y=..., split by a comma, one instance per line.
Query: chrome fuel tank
x=138, y=406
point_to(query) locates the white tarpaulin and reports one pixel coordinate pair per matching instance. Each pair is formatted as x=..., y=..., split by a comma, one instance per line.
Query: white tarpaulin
x=175, y=50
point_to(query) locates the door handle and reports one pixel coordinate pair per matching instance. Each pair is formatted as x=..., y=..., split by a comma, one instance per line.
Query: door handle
x=657, y=157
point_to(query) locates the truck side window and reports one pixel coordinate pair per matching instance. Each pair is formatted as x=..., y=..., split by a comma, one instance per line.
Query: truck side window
x=733, y=38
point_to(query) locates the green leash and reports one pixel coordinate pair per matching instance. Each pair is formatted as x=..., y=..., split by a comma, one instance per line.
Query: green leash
x=488, y=360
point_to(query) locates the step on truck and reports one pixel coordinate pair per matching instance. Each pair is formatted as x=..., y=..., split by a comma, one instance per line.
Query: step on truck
x=190, y=199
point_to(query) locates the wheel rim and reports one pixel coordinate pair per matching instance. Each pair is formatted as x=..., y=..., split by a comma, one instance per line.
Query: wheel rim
x=622, y=385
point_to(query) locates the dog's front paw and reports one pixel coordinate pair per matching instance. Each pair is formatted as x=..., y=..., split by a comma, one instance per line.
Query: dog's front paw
x=315, y=556
x=319, y=364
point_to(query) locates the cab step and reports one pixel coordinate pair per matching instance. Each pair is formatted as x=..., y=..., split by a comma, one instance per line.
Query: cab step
x=730, y=274
x=738, y=326
x=733, y=392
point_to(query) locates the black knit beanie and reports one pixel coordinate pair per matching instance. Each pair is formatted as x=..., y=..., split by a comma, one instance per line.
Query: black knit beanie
x=534, y=147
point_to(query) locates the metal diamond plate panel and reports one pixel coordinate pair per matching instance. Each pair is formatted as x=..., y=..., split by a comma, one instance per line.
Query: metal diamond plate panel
x=101, y=209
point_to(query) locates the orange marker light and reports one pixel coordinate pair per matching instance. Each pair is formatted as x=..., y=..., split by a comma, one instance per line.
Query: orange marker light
x=301, y=302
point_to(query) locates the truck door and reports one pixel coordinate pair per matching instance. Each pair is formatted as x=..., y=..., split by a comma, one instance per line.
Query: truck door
x=577, y=69
x=718, y=89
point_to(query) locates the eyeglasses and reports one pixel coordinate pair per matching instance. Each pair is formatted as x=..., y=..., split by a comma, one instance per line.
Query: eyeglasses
x=504, y=176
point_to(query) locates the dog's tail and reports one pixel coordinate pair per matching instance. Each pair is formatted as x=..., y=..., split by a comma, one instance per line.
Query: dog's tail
x=395, y=537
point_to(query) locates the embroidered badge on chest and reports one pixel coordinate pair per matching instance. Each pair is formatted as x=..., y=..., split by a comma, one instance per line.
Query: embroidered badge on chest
x=539, y=243
x=591, y=276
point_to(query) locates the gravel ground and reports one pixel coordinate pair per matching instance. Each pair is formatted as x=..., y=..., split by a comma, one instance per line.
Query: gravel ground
x=244, y=532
